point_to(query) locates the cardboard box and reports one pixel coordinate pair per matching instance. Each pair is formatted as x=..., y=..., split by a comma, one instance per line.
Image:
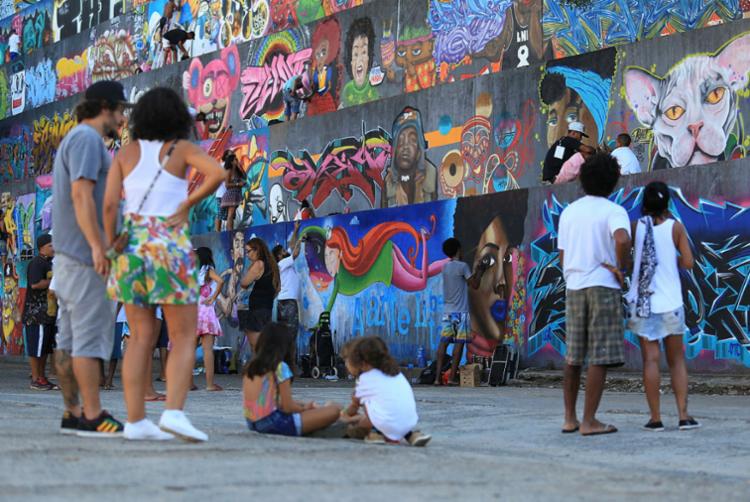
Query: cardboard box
x=471, y=375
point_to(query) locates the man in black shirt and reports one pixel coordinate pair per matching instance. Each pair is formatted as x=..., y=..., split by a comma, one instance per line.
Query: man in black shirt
x=563, y=149
x=176, y=39
x=38, y=317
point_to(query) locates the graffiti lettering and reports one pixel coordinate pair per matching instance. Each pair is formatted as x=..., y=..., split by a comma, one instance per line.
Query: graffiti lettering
x=261, y=86
x=15, y=157
x=47, y=136
x=40, y=83
x=73, y=75
x=74, y=16
x=113, y=56
x=346, y=164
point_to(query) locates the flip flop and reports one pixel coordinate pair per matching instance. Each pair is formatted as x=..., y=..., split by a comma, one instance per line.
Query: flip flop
x=216, y=388
x=569, y=431
x=608, y=429
x=194, y=387
x=158, y=397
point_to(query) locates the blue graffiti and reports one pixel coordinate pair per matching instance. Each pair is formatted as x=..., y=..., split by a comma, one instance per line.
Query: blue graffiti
x=716, y=292
x=40, y=83
x=607, y=23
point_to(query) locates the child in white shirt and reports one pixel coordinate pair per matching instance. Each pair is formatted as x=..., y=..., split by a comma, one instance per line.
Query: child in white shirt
x=390, y=411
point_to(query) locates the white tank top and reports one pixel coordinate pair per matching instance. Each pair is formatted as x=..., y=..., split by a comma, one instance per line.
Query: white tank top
x=168, y=191
x=665, y=284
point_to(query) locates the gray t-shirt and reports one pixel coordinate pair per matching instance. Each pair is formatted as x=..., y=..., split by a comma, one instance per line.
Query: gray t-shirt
x=81, y=155
x=455, y=292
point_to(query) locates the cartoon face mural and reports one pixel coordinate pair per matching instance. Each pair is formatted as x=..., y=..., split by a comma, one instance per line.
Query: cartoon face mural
x=578, y=89
x=209, y=89
x=413, y=53
x=277, y=212
x=411, y=177
x=693, y=109
x=358, y=60
x=327, y=72
x=17, y=92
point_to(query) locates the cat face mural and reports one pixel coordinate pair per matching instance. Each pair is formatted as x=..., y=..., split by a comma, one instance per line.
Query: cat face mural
x=692, y=110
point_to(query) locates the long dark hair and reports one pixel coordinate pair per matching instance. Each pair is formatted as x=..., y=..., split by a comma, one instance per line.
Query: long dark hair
x=373, y=351
x=274, y=346
x=655, y=199
x=205, y=257
x=268, y=260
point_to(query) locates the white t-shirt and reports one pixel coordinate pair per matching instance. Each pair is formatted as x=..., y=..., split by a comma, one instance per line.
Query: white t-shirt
x=389, y=401
x=221, y=191
x=628, y=161
x=586, y=235
x=14, y=43
x=289, y=280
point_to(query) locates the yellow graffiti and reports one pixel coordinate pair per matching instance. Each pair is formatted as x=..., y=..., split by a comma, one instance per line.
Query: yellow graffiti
x=10, y=307
x=9, y=206
x=48, y=133
x=69, y=67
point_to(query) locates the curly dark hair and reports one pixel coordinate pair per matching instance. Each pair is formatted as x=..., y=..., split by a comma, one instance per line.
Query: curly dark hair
x=655, y=199
x=599, y=174
x=373, y=351
x=451, y=247
x=161, y=115
x=90, y=109
x=361, y=27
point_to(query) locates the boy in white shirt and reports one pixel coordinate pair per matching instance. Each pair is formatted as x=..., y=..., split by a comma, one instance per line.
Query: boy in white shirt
x=594, y=243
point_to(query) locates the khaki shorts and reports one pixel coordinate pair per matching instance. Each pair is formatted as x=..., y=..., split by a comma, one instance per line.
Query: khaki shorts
x=86, y=317
x=594, y=327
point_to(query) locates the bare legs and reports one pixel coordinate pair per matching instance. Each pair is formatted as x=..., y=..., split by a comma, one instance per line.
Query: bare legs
x=677, y=369
x=230, y=217
x=208, y=360
x=319, y=418
x=595, y=377
x=136, y=377
x=87, y=372
x=458, y=352
x=67, y=381
x=182, y=321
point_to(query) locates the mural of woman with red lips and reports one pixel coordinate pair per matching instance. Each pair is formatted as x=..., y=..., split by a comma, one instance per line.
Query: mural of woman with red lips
x=209, y=89
x=331, y=256
x=493, y=238
x=327, y=69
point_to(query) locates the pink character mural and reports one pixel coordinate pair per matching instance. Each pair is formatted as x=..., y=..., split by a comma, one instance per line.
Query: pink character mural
x=209, y=89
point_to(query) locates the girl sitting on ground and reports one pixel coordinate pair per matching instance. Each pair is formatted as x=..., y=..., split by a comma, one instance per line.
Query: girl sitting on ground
x=267, y=390
x=208, y=323
x=390, y=411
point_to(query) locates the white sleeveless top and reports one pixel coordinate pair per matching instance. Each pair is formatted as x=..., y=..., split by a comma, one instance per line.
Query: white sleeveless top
x=168, y=192
x=665, y=284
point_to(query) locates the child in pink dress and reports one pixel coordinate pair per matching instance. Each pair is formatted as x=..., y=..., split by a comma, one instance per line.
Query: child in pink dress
x=208, y=324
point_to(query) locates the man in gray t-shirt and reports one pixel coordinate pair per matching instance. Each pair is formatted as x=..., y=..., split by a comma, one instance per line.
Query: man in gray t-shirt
x=456, y=325
x=85, y=315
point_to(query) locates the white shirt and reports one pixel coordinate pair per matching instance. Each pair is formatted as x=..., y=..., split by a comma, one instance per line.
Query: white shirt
x=586, y=235
x=221, y=191
x=14, y=43
x=289, y=280
x=628, y=161
x=389, y=401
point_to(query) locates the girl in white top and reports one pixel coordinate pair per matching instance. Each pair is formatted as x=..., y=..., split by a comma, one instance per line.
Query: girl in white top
x=655, y=300
x=157, y=265
x=390, y=411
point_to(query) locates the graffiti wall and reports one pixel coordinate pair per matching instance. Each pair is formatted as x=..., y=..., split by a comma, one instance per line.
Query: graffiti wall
x=378, y=271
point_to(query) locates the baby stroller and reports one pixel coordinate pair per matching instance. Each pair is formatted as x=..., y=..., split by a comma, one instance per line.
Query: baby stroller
x=322, y=353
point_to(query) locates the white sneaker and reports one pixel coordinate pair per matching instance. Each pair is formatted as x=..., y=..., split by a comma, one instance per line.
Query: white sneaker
x=175, y=422
x=145, y=430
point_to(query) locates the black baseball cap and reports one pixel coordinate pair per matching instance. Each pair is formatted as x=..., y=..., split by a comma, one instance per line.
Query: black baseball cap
x=43, y=240
x=109, y=91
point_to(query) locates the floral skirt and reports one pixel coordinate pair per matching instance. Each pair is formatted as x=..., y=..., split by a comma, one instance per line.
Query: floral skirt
x=157, y=266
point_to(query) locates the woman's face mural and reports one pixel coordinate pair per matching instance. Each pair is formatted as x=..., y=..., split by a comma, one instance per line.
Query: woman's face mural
x=493, y=249
x=360, y=60
x=332, y=260
x=321, y=53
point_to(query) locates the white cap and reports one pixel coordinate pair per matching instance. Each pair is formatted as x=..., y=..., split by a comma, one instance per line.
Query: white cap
x=578, y=127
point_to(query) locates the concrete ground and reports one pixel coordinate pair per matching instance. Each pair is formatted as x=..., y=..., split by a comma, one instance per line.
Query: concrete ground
x=489, y=443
